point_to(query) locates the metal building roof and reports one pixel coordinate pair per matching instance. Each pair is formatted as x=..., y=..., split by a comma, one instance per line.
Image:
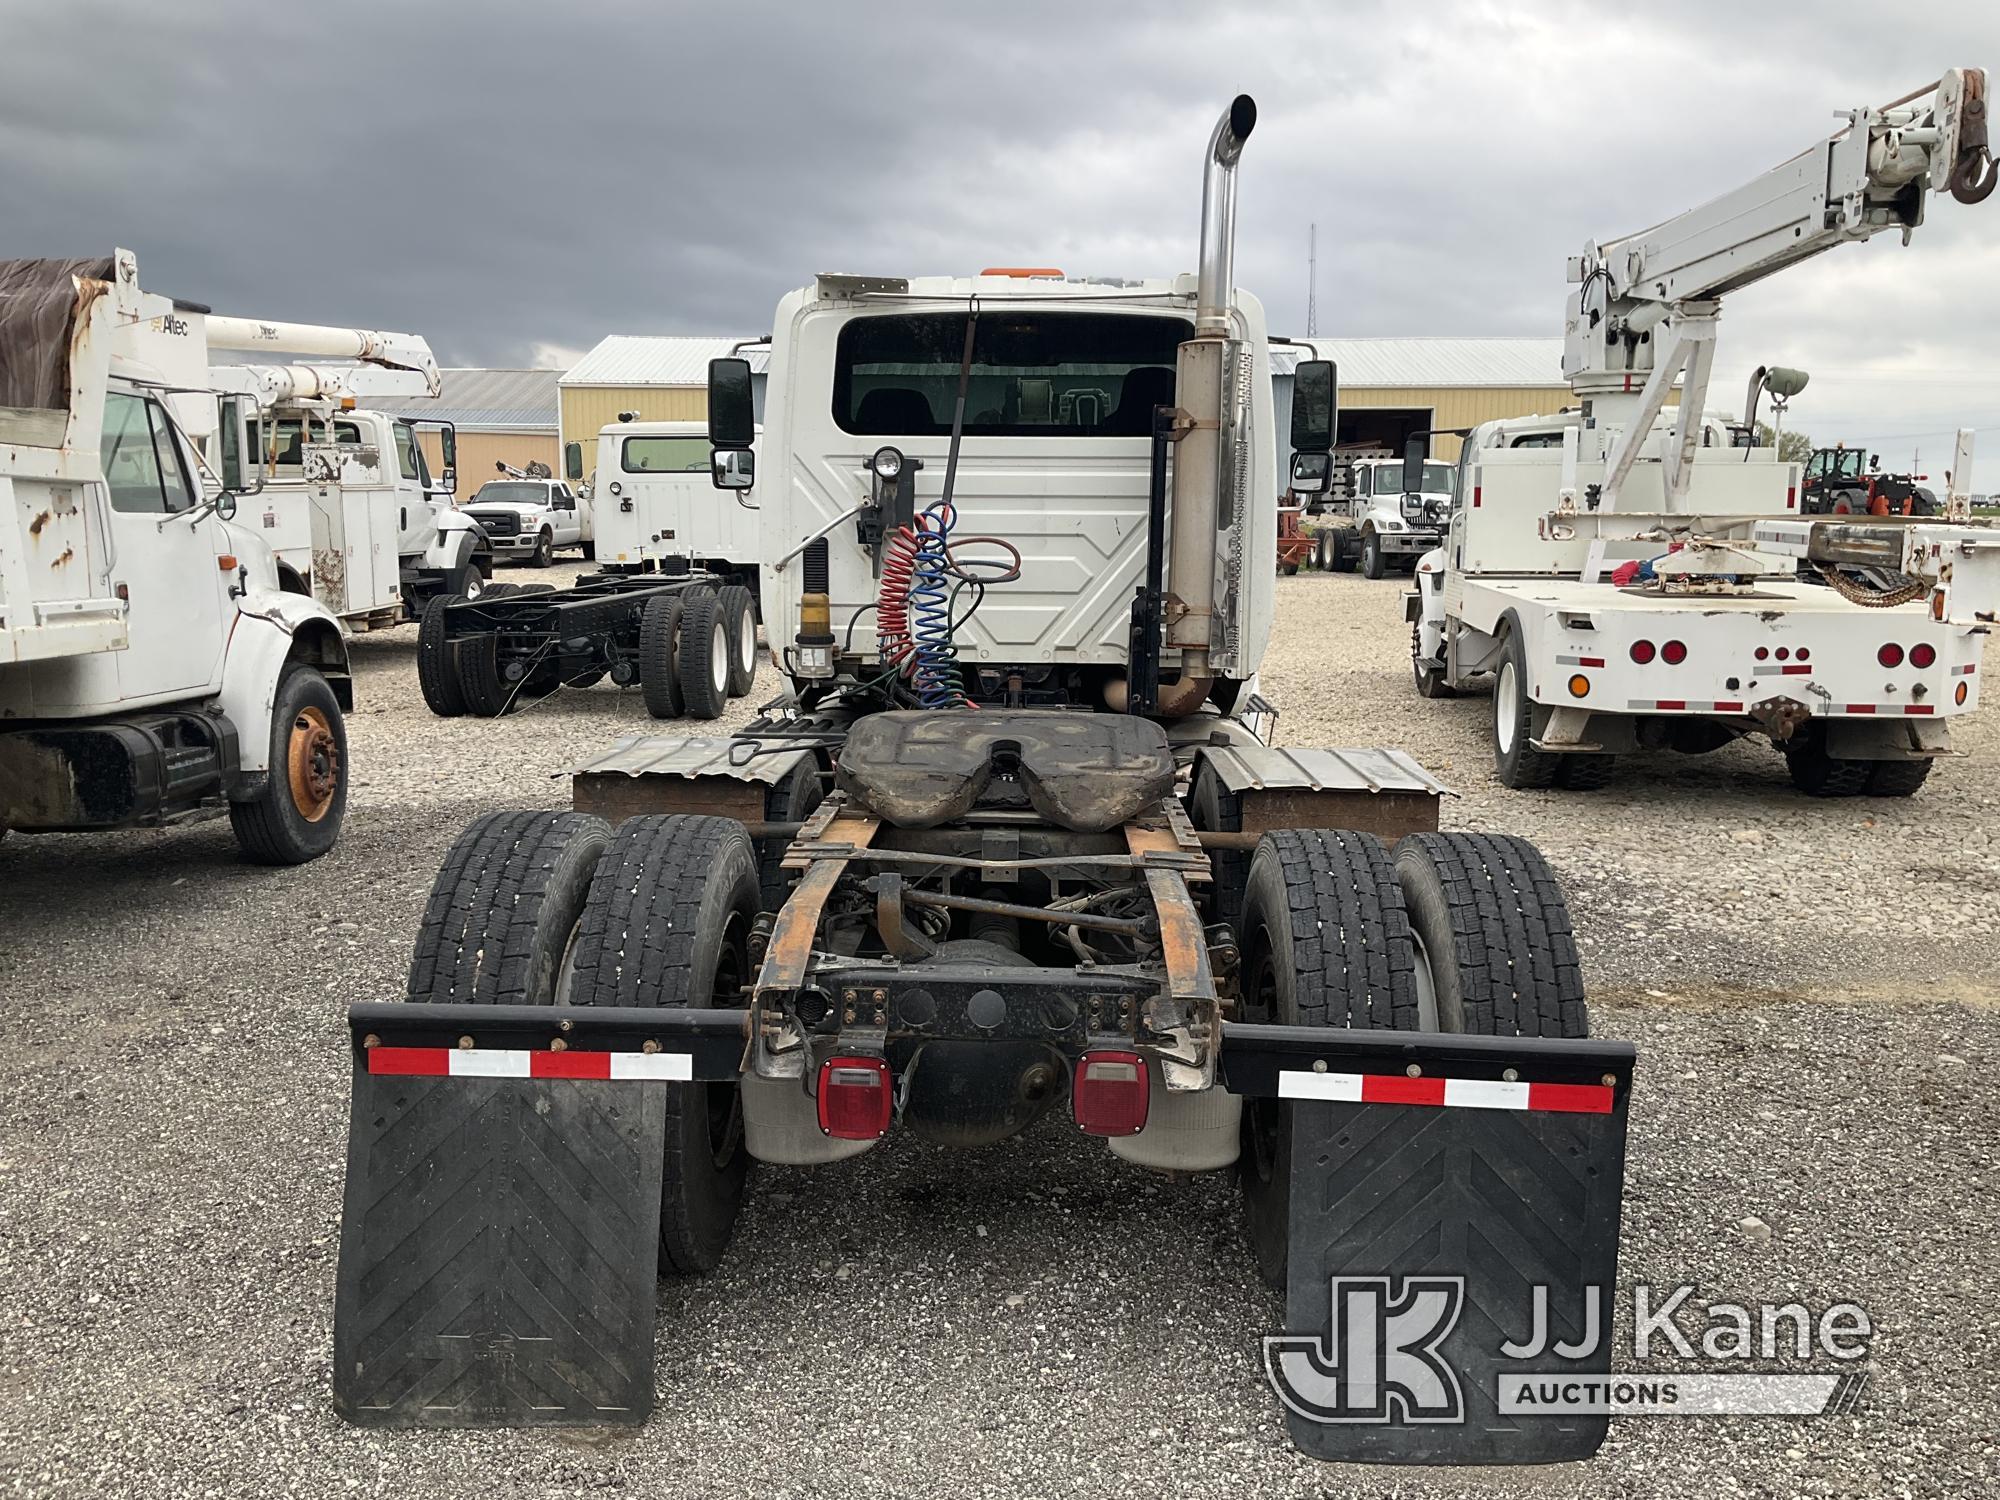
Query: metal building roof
x=485, y=401
x=669, y=359
x=1436, y=361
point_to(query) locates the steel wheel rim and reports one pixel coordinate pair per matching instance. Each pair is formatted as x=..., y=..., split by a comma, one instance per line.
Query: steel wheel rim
x=1425, y=981
x=312, y=764
x=749, y=638
x=1506, y=707
x=718, y=657
x=474, y=587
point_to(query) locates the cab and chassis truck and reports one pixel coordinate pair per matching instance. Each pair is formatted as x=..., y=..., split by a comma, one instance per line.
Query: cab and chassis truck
x=1019, y=853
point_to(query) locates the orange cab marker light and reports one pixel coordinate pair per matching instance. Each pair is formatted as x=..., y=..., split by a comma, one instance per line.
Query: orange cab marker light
x=1022, y=271
x=226, y=562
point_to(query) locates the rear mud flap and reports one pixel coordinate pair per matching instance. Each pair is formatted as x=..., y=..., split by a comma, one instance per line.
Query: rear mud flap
x=1425, y=1244
x=498, y=1252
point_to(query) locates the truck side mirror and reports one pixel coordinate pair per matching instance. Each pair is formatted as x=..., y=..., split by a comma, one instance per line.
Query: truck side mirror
x=732, y=416
x=448, y=453
x=1312, y=473
x=572, y=462
x=732, y=468
x=1414, y=452
x=1315, y=399
x=242, y=474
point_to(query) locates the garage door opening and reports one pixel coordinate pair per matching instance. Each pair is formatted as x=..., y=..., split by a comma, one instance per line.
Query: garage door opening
x=1374, y=432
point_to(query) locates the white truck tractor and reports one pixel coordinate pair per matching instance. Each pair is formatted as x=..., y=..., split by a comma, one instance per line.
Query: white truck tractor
x=1634, y=576
x=1380, y=524
x=527, y=517
x=657, y=508
x=1013, y=848
x=350, y=506
x=152, y=671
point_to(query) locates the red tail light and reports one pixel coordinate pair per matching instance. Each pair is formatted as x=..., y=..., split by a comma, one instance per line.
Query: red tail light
x=1890, y=655
x=1642, y=652
x=855, y=1098
x=1923, y=654
x=1763, y=653
x=1784, y=653
x=1674, y=653
x=1803, y=653
x=1110, y=1093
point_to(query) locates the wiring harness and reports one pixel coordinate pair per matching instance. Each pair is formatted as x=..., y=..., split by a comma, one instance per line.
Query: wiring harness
x=917, y=615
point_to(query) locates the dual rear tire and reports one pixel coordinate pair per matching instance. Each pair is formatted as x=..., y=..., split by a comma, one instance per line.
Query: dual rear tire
x=1456, y=933
x=1819, y=774
x=697, y=650
x=544, y=908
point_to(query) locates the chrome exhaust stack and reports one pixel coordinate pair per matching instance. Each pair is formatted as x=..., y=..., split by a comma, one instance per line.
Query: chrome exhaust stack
x=1204, y=392
x=1216, y=277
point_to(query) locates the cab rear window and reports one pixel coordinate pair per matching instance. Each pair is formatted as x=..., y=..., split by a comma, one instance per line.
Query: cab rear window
x=1042, y=374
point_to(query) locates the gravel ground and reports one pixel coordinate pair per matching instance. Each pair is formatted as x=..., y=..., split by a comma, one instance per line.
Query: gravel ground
x=1812, y=1036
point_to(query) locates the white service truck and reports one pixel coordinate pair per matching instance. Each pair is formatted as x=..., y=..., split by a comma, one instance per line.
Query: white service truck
x=1380, y=523
x=657, y=510
x=350, y=506
x=1629, y=573
x=152, y=670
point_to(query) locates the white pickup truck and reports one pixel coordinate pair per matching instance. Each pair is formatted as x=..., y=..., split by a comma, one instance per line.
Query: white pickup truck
x=530, y=518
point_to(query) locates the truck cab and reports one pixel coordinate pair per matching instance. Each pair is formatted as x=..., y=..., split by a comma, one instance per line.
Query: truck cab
x=353, y=513
x=1392, y=525
x=527, y=519
x=1054, y=461
x=658, y=511
x=152, y=670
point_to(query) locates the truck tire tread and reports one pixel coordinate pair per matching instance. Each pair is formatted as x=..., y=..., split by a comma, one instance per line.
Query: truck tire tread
x=1897, y=778
x=1351, y=963
x=437, y=666
x=702, y=697
x=659, y=669
x=486, y=695
x=502, y=909
x=1488, y=907
x=655, y=930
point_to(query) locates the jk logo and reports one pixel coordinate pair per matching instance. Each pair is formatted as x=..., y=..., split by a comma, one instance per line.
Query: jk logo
x=1379, y=1361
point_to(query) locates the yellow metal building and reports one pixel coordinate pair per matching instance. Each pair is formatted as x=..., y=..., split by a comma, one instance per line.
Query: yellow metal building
x=1393, y=387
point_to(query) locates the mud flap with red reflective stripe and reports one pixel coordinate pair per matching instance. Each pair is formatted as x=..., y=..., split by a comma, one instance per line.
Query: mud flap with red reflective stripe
x=1427, y=1239
x=499, y=1239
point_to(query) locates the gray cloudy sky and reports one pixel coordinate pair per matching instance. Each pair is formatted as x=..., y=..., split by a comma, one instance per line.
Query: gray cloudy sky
x=516, y=180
